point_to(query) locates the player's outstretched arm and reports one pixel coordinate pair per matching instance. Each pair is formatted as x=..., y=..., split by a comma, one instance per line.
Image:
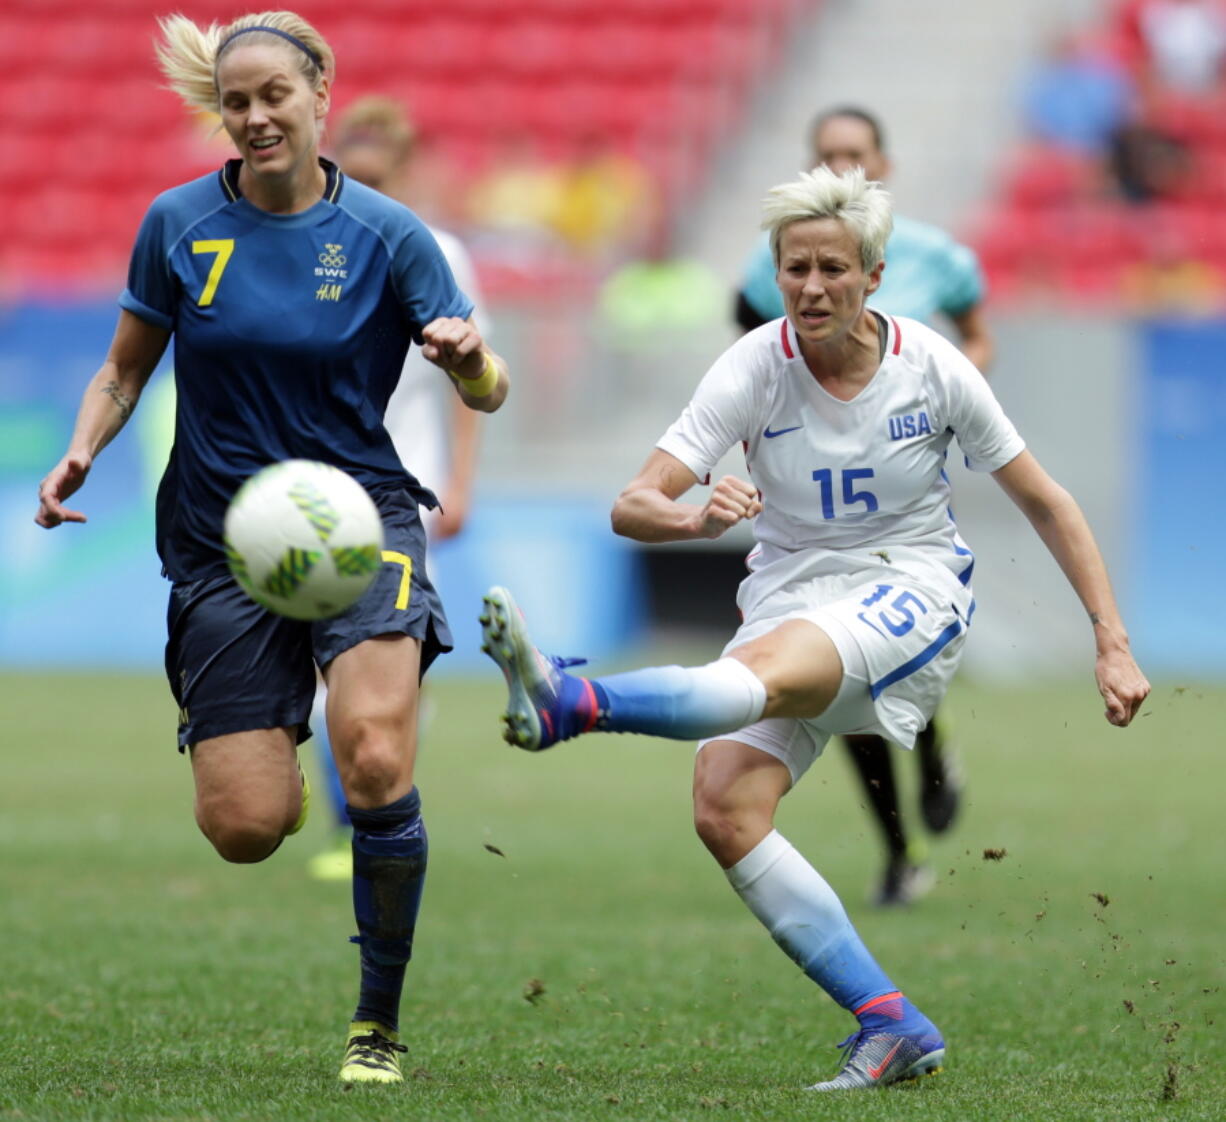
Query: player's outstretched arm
x=1058, y=519
x=455, y=346
x=107, y=404
x=974, y=336
x=456, y=501
x=648, y=510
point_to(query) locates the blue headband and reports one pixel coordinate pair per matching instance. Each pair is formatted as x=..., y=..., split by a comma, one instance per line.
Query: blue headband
x=309, y=52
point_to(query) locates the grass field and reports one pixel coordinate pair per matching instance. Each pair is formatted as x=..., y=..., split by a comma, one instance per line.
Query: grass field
x=597, y=965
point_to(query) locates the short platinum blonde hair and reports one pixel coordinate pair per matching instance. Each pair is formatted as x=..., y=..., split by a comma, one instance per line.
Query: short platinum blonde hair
x=862, y=205
x=188, y=53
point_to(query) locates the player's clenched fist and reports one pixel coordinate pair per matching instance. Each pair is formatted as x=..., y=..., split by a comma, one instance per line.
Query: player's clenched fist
x=732, y=500
x=455, y=345
x=1122, y=685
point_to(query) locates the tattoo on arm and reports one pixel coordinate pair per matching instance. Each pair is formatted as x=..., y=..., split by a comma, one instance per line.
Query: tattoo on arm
x=1094, y=618
x=673, y=481
x=122, y=401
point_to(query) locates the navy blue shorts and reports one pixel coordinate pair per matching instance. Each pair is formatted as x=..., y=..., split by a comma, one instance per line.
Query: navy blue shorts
x=233, y=666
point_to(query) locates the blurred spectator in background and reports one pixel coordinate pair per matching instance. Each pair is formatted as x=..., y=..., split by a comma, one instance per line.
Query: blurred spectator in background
x=1082, y=100
x=598, y=205
x=375, y=143
x=660, y=303
x=660, y=293
x=511, y=206
x=384, y=150
x=606, y=201
x=1177, y=46
x=1147, y=163
x=1078, y=95
x=926, y=273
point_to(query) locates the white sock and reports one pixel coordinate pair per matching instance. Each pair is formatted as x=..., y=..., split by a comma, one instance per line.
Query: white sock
x=683, y=702
x=806, y=918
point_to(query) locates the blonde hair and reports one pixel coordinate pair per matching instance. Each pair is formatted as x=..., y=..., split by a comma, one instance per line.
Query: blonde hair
x=188, y=53
x=375, y=118
x=862, y=205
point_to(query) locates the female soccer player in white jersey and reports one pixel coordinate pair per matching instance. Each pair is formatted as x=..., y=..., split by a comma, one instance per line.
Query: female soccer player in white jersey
x=859, y=597
x=293, y=296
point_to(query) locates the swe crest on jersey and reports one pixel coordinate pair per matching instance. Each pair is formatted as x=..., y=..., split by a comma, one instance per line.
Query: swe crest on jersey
x=910, y=424
x=330, y=268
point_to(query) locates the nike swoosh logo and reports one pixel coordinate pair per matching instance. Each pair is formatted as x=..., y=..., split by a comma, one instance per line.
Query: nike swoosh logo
x=875, y=1072
x=766, y=432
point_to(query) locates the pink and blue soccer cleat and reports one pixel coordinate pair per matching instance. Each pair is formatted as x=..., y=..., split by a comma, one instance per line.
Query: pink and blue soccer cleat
x=544, y=704
x=896, y=1043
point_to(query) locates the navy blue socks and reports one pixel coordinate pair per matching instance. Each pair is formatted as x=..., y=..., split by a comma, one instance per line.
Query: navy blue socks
x=389, y=870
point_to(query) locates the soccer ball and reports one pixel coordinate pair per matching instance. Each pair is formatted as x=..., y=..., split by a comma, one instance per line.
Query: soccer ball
x=303, y=539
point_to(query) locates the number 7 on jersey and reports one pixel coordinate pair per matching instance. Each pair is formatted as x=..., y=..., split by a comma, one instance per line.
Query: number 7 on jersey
x=223, y=247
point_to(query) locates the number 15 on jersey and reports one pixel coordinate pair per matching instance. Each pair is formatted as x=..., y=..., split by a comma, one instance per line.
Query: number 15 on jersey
x=824, y=477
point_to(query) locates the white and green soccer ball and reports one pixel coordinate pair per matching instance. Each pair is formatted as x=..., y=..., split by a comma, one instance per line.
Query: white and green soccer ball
x=303, y=539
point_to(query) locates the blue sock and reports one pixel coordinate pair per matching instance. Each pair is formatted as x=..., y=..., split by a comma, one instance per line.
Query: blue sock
x=806, y=918
x=389, y=870
x=892, y=1012
x=680, y=702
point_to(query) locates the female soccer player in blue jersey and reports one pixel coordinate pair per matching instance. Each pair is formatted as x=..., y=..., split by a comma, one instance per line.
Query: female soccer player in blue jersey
x=293, y=296
x=859, y=596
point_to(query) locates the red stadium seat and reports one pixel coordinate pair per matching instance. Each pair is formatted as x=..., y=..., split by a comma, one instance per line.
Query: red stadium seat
x=1002, y=239
x=99, y=46
x=485, y=12
x=532, y=49
x=617, y=48
x=444, y=46
x=92, y=133
x=621, y=111
x=50, y=101
x=23, y=42
x=1043, y=175
x=365, y=49
x=1208, y=182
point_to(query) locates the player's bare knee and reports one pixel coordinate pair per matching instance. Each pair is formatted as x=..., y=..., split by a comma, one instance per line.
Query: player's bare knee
x=378, y=766
x=729, y=837
x=244, y=841
x=722, y=826
x=714, y=828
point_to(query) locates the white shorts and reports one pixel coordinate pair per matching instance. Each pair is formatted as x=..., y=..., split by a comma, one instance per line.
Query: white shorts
x=900, y=644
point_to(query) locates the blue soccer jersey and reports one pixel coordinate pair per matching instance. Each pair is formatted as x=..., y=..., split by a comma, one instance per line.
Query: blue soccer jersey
x=290, y=332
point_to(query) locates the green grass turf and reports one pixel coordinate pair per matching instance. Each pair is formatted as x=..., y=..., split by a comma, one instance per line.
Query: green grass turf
x=1079, y=977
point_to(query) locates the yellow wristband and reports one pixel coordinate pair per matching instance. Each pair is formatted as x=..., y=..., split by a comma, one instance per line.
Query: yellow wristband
x=482, y=385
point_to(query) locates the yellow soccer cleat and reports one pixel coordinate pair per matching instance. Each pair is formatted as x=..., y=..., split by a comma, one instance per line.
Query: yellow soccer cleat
x=306, y=803
x=334, y=863
x=372, y=1054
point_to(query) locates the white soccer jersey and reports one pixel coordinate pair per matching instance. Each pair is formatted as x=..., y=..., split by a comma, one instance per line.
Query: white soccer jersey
x=860, y=481
x=856, y=523
x=419, y=414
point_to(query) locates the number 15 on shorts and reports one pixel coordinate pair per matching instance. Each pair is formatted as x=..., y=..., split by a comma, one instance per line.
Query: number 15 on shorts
x=897, y=617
